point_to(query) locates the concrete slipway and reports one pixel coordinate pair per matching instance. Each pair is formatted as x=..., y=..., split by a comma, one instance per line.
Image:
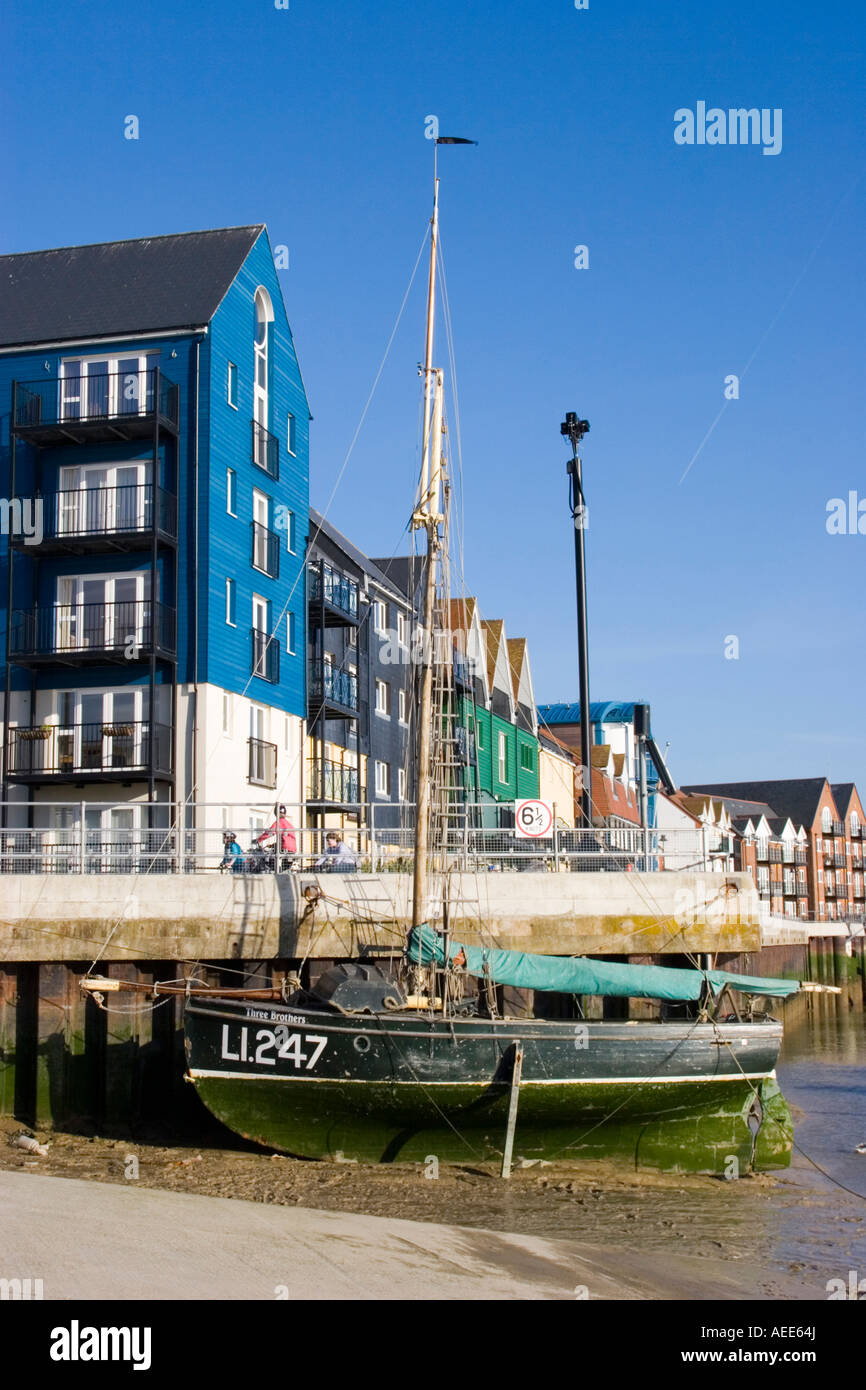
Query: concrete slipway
x=89, y=1240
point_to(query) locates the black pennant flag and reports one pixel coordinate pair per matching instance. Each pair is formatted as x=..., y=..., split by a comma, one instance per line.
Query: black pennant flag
x=454, y=140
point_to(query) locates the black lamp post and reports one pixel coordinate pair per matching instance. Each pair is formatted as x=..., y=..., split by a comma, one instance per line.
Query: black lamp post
x=573, y=429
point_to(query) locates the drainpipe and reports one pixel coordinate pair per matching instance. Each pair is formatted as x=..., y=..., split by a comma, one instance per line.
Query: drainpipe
x=195, y=456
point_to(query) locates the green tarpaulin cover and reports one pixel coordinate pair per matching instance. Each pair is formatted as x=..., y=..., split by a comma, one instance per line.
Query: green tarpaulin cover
x=578, y=975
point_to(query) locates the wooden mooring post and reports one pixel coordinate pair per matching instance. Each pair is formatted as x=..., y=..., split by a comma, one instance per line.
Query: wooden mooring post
x=513, y=1097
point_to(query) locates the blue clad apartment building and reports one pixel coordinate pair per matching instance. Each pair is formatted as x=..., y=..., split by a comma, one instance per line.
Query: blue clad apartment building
x=154, y=469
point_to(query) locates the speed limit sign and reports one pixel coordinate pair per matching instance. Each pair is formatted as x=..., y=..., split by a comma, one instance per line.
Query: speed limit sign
x=532, y=819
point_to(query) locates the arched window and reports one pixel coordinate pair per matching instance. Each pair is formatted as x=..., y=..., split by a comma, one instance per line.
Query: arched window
x=264, y=319
x=855, y=824
x=826, y=819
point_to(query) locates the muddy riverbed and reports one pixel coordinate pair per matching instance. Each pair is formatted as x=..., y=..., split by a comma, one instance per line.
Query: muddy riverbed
x=800, y=1224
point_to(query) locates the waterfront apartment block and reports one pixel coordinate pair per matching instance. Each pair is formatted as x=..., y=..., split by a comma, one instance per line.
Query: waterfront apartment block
x=803, y=842
x=154, y=633
x=361, y=697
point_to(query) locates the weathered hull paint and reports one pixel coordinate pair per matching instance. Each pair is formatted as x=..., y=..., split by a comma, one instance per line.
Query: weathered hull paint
x=388, y=1088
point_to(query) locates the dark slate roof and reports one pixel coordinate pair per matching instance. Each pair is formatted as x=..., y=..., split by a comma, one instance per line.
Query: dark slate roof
x=736, y=806
x=318, y=523
x=796, y=797
x=404, y=571
x=119, y=287
x=842, y=793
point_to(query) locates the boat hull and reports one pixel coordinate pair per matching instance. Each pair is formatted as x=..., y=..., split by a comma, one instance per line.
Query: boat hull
x=404, y=1087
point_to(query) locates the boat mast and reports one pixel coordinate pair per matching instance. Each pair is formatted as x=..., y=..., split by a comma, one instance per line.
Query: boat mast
x=425, y=518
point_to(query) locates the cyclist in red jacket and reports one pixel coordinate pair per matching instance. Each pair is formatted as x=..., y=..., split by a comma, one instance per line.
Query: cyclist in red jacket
x=283, y=828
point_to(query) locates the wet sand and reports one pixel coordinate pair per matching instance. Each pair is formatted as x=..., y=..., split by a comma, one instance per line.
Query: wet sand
x=725, y=1238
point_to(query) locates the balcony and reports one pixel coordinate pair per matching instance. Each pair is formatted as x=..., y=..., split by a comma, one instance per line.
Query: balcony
x=333, y=694
x=801, y=856
x=335, y=784
x=790, y=888
x=265, y=658
x=762, y=852
x=265, y=550
x=802, y=889
x=93, y=520
x=266, y=450
x=839, y=860
x=262, y=763
x=103, y=408
x=89, y=752
x=73, y=633
x=859, y=890
x=838, y=827
x=335, y=596
x=830, y=891
x=775, y=854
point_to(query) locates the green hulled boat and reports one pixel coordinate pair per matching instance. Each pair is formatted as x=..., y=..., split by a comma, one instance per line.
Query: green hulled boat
x=356, y=1071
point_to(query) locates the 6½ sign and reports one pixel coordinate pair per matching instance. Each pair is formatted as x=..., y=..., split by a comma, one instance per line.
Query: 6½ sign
x=532, y=819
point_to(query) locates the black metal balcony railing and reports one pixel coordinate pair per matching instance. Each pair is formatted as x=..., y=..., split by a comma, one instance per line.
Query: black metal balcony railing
x=87, y=514
x=333, y=686
x=839, y=860
x=339, y=591
x=71, y=750
x=130, y=397
x=129, y=628
x=762, y=852
x=77, y=517
x=263, y=763
x=838, y=827
x=859, y=890
x=266, y=450
x=265, y=660
x=339, y=784
x=787, y=854
x=775, y=854
x=790, y=888
x=265, y=550
x=829, y=890
x=801, y=856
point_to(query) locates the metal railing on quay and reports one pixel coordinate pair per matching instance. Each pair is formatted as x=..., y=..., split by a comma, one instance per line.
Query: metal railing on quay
x=92, y=836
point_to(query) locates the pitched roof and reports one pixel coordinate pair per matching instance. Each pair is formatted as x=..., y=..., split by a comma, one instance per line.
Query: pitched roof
x=492, y=629
x=363, y=562
x=797, y=797
x=516, y=656
x=843, y=795
x=119, y=287
x=404, y=572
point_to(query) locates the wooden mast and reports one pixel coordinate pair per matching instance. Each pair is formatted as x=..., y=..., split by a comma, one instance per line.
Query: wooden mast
x=426, y=518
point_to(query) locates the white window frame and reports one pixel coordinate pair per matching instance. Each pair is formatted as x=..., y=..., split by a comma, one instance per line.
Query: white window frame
x=231, y=491
x=264, y=312
x=228, y=713
x=231, y=602
x=262, y=516
x=402, y=781
x=290, y=435
x=232, y=367
x=380, y=615
x=502, y=757
x=383, y=778
x=402, y=629
x=290, y=634
x=402, y=706
x=110, y=364
x=291, y=541
x=383, y=705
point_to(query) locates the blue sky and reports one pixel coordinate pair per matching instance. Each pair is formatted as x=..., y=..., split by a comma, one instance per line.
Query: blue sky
x=703, y=261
